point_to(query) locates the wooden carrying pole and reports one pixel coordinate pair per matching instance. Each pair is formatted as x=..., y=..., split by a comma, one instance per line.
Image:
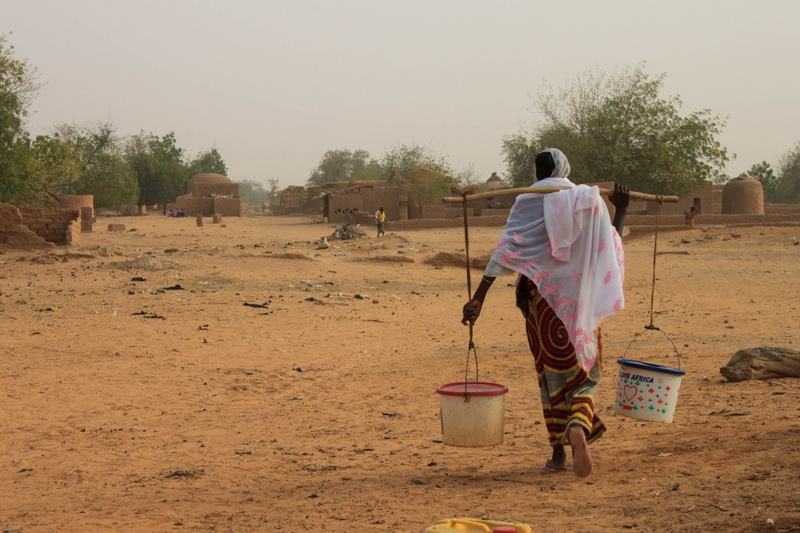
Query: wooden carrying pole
x=660, y=199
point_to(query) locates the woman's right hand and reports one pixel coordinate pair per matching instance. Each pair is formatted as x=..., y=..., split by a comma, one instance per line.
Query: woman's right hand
x=621, y=196
x=471, y=311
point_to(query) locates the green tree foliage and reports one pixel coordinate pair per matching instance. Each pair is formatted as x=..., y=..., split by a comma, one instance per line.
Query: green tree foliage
x=17, y=88
x=159, y=166
x=769, y=181
x=519, y=150
x=789, y=184
x=404, y=159
x=423, y=175
x=253, y=193
x=102, y=168
x=618, y=127
x=208, y=161
x=344, y=165
x=53, y=164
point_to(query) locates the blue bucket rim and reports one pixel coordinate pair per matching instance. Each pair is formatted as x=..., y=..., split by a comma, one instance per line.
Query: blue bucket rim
x=641, y=365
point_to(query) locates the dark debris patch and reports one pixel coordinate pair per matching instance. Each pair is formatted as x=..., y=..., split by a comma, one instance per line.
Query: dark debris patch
x=184, y=474
x=145, y=314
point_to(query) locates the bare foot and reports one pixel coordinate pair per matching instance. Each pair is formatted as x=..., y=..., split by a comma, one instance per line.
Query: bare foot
x=581, y=460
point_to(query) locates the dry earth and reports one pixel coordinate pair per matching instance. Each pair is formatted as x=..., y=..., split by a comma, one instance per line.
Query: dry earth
x=235, y=378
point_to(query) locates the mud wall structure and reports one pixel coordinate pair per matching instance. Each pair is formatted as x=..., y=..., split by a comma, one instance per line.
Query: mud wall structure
x=706, y=199
x=667, y=221
x=208, y=194
x=784, y=209
x=343, y=206
x=208, y=206
x=446, y=211
x=76, y=201
x=28, y=227
x=293, y=202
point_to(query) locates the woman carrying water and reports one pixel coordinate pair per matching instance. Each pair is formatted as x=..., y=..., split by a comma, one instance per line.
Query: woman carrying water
x=569, y=258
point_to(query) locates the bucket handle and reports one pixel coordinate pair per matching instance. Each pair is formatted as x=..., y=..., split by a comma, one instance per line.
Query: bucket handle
x=651, y=327
x=470, y=351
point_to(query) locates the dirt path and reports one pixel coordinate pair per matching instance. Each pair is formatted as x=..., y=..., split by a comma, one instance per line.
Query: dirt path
x=235, y=378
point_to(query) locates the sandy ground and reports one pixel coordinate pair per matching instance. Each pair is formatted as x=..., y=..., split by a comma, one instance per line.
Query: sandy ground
x=234, y=378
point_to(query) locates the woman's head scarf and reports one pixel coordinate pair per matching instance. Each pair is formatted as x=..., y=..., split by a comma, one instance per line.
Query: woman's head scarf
x=565, y=243
x=561, y=169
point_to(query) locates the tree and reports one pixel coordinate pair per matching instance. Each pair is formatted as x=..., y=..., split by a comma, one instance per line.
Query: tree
x=344, y=165
x=405, y=159
x=208, y=161
x=102, y=168
x=17, y=88
x=789, y=184
x=252, y=193
x=519, y=150
x=467, y=176
x=769, y=181
x=272, y=190
x=617, y=127
x=53, y=164
x=159, y=166
x=422, y=175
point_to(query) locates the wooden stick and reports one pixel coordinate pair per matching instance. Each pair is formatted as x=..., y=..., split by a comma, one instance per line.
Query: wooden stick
x=544, y=190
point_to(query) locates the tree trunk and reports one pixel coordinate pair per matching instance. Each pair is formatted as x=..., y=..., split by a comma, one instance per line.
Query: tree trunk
x=762, y=363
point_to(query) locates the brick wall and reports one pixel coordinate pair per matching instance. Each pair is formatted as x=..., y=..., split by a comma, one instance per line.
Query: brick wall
x=781, y=209
x=192, y=206
x=343, y=206
x=230, y=207
x=14, y=234
x=428, y=223
x=55, y=226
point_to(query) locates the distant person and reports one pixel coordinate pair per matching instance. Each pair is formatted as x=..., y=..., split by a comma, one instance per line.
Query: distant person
x=263, y=207
x=181, y=213
x=175, y=213
x=380, y=219
x=568, y=256
x=689, y=216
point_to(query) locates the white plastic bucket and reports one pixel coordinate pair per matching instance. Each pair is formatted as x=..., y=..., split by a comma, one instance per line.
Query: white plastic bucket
x=647, y=391
x=473, y=413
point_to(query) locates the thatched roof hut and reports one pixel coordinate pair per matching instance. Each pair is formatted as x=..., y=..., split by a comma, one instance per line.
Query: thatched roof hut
x=494, y=183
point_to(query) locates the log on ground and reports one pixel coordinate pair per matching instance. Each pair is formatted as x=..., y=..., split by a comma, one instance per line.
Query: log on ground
x=762, y=363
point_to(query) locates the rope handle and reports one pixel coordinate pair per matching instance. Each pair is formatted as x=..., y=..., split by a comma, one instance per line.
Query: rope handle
x=471, y=350
x=655, y=255
x=651, y=327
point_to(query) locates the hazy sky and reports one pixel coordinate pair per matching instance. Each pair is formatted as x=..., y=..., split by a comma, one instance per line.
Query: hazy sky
x=274, y=85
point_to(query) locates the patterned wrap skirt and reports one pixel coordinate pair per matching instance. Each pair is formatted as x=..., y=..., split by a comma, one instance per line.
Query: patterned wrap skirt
x=567, y=390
